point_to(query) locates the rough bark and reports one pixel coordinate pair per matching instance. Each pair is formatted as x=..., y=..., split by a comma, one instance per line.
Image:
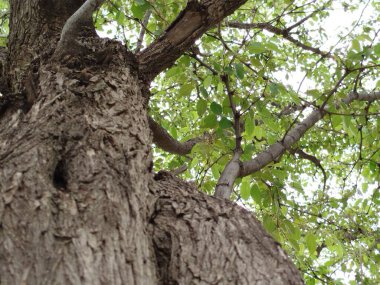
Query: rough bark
x=74, y=181
x=191, y=23
x=79, y=204
x=206, y=240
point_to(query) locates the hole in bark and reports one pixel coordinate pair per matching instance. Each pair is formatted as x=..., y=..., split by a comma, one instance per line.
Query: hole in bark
x=162, y=244
x=59, y=176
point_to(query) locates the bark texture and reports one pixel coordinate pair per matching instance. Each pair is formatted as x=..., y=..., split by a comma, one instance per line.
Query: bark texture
x=205, y=240
x=79, y=203
x=74, y=181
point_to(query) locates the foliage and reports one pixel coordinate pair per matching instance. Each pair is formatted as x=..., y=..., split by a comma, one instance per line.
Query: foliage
x=323, y=206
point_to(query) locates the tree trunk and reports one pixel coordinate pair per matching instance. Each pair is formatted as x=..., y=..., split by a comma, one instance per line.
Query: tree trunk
x=79, y=203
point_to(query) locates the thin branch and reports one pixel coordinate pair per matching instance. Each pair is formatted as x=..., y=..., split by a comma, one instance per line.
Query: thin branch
x=281, y=32
x=294, y=135
x=75, y=24
x=191, y=23
x=179, y=170
x=143, y=29
x=166, y=142
x=314, y=160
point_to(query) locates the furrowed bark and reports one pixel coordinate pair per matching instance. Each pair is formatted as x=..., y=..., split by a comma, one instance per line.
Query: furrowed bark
x=192, y=23
x=187, y=224
x=74, y=167
x=35, y=26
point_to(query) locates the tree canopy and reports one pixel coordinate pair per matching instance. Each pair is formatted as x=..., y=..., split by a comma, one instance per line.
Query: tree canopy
x=270, y=110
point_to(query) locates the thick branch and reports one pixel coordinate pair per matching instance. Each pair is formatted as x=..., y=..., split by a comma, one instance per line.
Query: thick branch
x=166, y=142
x=75, y=24
x=191, y=23
x=295, y=134
x=279, y=148
x=231, y=171
x=365, y=96
x=281, y=32
x=225, y=184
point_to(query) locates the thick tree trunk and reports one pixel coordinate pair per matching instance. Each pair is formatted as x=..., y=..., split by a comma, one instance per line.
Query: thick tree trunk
x=79, y=204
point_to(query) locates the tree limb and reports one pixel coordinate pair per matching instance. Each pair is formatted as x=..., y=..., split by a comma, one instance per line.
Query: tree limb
x=225, y=184
x=74, y=25
x=281, y=32
x=314, y=160
x=166, y=142
x=143, y=29
x=365, y=96
x=295, y=134
x=191, y=23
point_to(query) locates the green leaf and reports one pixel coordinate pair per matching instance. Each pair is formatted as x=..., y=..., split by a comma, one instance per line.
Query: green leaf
x=201, y=107
x=138, y=10
x=203, y=91
x=185, y=90
x=311, y=242
x=249, y=128
x=210, y=121
x=376, y=49
x=268, y=223
x=256, y=47
x=207, y=82
x=356, y=45
x=216, y=108
x=225, y=123
x=239, y=70
x=256, y=194
x=274, y=88
x=172, y=71
x=245, y=191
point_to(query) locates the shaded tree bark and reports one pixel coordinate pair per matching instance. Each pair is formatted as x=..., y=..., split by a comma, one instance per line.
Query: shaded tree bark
x=79, y=202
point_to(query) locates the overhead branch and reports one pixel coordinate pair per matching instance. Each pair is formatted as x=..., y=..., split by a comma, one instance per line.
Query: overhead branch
x=75, y=24
x=144, y=24
x=296, y=133
x=363, y=96
x=191, y=24
x=285, y=33
x=225, y=184
x=314, y=160
x=167, y=143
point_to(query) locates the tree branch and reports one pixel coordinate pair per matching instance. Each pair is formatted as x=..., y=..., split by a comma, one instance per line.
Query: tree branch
x=365, y=96
x=143, y=29
x=166, y=142
x=191, y=23
x=74, y=25
x=225, y=184
x=314, y=160
x=296, y=133
x=281, y=32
